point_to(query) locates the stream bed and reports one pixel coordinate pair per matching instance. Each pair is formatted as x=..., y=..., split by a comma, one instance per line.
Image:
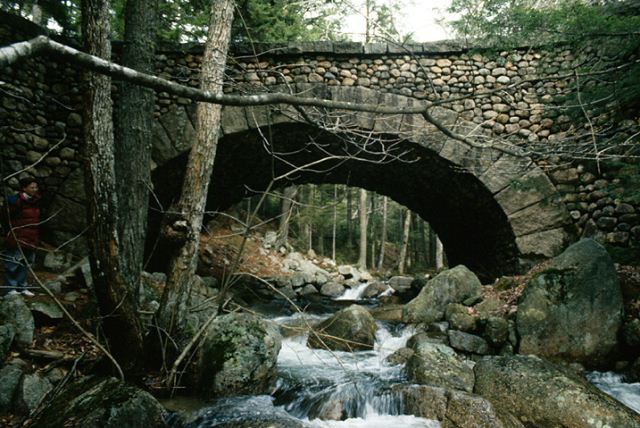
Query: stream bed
x=320, y=388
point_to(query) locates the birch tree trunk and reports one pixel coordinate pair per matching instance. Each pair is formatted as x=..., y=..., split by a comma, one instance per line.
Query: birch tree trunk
x=183, y=228
x=362, y=259
x=288, y=195
x=383, y=233
x=405, y=243
x=335, y=222
x=116, y=300
x=439, y=254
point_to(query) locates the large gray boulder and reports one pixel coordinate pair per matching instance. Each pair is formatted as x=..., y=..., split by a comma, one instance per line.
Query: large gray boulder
x=102, y=403
x=451, y=286
x=7, y=333
x=545, y=395
x=10, y=376
x=453, y=409
x=238, y=356
x=573, y=310
x=31, y=391
x=434, y=363
x=14, y=311
x=350, y=329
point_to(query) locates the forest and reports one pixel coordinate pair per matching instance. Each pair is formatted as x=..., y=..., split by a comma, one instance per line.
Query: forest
x=254, y=215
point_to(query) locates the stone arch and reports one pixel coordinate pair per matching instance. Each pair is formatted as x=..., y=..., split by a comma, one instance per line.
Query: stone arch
x=494, y=211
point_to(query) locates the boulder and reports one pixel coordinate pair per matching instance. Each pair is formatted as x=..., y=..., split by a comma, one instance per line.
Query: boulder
x=459, y=317
x=31, y=391
x=307, y=289
x=374, y=289
x=573, y=310
x=451, y=286
x=332, y=289
x=400, y=357
x=453, y=408
x=388, y=312
x=10, y=376
x=98, y=403
x=14, y=311
x=350, y=329
x=238, y=356
x=7, y=333
x=240, y=412
x=468, y=342
x=45, y=312
x=495, y=330
x=545, y=395
x=400, y=284
x=434, y=363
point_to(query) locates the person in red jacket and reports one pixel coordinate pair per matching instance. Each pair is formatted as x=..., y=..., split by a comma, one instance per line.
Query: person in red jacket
x=22, y=239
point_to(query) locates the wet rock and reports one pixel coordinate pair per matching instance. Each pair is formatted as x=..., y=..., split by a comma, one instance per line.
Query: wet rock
x=9, y=379
x=31, y=391
x=332, y=289
x=451, y=286
x=238, y=356
x=573, y=310
x=388, y=312
x=351, y=329
x=546, y=395
x=631, y=334
x=241, y=412
x=468, y=342
x=425, y=401
x=400, y=357
x=472, y=411
x=98, y=403
x=436, y=364
x=14, y=311
x=375, y=289
x=308, y=289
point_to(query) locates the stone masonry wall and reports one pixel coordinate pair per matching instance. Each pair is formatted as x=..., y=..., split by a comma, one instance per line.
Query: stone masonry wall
x=41, y=98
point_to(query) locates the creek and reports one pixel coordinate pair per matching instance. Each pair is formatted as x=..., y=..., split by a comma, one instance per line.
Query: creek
x=359, y=389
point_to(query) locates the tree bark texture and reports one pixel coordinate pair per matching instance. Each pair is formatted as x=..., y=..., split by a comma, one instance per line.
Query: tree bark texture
x=116, y=300
x=362, y=259
x=184, y=227
x=335, y=222
x=405, y=243
x=383, y=232
x=286, y=212
x=134, y=118
x=439, y=254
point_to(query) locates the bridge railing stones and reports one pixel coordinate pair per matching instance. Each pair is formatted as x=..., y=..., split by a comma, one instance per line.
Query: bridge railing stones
x=41, y=101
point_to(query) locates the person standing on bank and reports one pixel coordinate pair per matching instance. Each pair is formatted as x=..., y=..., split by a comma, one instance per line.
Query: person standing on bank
x=22, y=239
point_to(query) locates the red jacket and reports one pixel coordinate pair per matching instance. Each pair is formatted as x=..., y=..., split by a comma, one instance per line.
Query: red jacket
x=24, y=216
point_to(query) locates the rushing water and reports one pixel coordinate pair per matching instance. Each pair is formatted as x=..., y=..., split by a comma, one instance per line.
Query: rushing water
x=327, y=389
x=353, y=293
x=614, y=385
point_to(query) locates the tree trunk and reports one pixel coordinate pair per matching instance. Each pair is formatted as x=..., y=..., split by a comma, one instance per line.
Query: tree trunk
x=383, y=233
x=405, y=243
x=372, y=238
x=439, y=254
x=183, y=228
x=288, y=195
x=362, y=259
x=116, y=300
x=335, y=222
x=349, y=222
x=134, y=118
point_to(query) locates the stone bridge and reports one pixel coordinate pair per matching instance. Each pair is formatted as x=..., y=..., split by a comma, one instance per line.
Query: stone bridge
x=493, y=210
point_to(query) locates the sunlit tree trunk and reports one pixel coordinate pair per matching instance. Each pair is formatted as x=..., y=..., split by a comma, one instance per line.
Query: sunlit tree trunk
x=286, y=212
x=405, y=243
x=383, y=232
x=362, y=259
x=349, y=222
x=335, y=222
x=183, y=227
x=116, y=300
x=439, y=254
